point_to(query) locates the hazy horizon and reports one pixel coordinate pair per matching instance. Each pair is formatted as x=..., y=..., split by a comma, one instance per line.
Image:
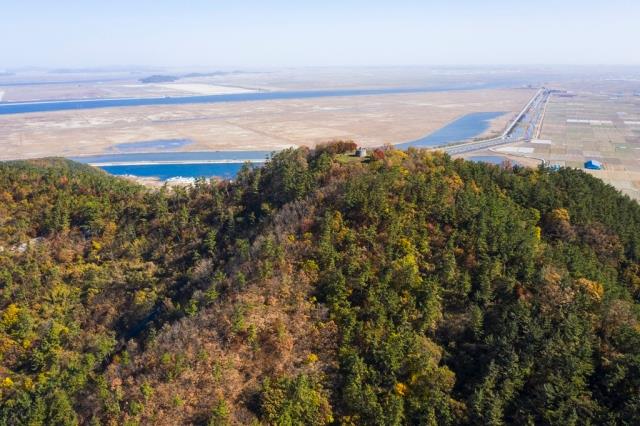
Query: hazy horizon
x=90, y=34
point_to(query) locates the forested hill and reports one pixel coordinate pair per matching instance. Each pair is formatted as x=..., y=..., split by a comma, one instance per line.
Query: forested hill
x=406, y=289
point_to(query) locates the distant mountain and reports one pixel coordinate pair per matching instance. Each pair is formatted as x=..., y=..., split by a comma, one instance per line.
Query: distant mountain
x=208, y=74
x=171, y=78
x=403, y=288
x=159, y=79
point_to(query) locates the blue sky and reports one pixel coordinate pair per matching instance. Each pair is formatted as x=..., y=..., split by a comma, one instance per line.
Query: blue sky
x=79, y=33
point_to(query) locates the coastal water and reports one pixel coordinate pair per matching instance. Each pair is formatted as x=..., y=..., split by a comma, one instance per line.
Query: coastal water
x=169, y=171
x=222, y=164
x=26, y=107
x=190, y=157
x=464, y=128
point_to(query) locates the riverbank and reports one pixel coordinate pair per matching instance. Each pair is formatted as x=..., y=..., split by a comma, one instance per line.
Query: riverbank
x=82, y=104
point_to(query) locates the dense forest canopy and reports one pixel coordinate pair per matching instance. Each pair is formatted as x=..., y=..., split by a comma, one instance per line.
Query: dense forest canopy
x=409, y=288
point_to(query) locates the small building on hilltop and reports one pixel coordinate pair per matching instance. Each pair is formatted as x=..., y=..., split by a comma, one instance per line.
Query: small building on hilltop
x=361, y=152
x=593, y=165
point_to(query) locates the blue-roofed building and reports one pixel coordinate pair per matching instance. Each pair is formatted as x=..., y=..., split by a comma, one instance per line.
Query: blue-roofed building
x=593, y=165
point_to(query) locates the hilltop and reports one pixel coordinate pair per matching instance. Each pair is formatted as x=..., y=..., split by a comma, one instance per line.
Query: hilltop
x=407, y=289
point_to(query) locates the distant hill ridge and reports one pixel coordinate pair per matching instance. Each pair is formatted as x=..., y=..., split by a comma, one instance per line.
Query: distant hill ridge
x=160, y=78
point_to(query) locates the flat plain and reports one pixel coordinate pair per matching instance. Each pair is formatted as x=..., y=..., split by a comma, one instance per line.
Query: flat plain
x=263, y=125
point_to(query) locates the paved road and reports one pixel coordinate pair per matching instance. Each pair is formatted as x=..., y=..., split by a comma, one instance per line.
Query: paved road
x=526, y=120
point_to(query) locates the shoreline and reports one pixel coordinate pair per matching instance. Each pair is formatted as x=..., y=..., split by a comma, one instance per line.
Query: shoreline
x=16, y=108
x=56, y=101
x=172, y=162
